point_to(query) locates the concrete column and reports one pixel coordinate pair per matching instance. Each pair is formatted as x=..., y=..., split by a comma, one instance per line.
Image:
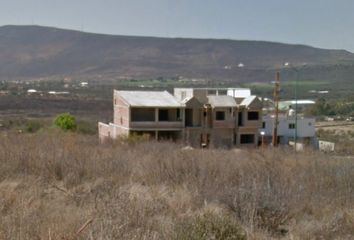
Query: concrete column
x=183, y=115
x=244, y=117
x=156, y=114
x=256, y=139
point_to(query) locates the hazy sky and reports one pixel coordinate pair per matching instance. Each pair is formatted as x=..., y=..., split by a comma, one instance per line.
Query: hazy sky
x=320, y=23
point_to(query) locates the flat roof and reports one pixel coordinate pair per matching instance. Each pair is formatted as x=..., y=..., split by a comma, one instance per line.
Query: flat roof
x=300, y=101
x=149, y=98
x=239, y=92
x=213, y=88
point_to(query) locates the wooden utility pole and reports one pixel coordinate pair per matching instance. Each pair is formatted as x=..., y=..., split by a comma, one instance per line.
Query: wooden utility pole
x=276, y=94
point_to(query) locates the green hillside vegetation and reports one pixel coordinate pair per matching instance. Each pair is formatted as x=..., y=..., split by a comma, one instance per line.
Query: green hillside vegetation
x=338, y=107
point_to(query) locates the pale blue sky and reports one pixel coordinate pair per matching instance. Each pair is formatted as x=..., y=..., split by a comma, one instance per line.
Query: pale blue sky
x=320, y=23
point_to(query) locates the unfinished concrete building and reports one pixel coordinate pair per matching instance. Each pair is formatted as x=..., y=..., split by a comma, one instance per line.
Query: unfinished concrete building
x=200, y=117
x=152, y=113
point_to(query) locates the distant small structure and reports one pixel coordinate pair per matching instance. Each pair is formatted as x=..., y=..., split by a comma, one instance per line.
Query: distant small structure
x=239, y=92
x=349, y=119
x=67, y=79
x=319, y=92
x=299, y=146
x=241, y=65
x=31, y=91
x=57, y=93
x=329, y=119
x=84, y=84
x=4, y=93
x=301, y=103
x=326, y=146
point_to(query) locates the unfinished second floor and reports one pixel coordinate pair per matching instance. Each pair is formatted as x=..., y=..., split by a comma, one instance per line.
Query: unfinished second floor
x=161, y=110
x=147, y=110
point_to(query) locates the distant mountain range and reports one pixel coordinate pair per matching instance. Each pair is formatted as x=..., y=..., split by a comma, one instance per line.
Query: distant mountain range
x=33, y=51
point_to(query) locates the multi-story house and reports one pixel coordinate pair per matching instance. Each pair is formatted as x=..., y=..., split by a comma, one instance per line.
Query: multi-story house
x=197, y=116
x=230, y=117
x=153, y=113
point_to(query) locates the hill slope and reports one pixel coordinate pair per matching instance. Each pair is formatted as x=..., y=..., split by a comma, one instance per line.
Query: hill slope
x=33, y=51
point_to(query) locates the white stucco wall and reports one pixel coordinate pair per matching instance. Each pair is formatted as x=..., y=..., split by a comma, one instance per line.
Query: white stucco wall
x=305, y=126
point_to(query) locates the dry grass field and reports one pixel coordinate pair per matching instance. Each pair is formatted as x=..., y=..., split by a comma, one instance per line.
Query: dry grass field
x=340, y=133
x=339, y=126
x=56, y=185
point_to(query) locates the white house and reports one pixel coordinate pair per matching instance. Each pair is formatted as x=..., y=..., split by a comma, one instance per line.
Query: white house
x=306, y=132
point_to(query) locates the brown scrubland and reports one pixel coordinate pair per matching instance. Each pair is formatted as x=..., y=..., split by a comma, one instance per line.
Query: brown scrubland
x=56, y=185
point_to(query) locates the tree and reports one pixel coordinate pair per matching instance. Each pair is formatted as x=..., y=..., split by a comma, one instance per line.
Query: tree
x=66, y=122
x=321, y=108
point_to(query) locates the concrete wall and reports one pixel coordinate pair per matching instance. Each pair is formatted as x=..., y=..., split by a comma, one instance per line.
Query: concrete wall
x=196, y=114
x=305, y=127
x=111, y=131
x=182, y=93
x=222, y=138
x=197, y=117
x=217, y=137
x=229, y=121
x=104, y=132
x=118, y=131
x=253, y=123
x=247, y=130
x=201, y=95
x=121, y=112
x=246, y=122
x=192, y=136
x=239, y=93
x=156, y=125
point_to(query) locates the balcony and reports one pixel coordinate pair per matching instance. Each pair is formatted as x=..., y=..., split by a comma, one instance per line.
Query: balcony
x=156, y=118
x=157, y=125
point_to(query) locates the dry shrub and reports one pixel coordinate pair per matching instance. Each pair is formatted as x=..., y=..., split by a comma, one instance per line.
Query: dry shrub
x=210, y=225
x=51, y=183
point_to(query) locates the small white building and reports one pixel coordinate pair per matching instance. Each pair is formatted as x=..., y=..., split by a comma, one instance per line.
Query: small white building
x=32, y=91
x=301, y=104
x=57, y=93
x=84, y=84
x=306, y=132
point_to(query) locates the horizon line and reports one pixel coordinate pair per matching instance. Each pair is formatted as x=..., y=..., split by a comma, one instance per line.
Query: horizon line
x=173, y=37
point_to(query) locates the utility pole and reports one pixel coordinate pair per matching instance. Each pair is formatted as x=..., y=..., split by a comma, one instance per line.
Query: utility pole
x=296, y=100
x=276, y=94
x=296, y=70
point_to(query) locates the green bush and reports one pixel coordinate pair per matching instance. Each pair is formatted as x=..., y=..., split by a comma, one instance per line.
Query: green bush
x=33, y=126
x=210, y=226
x=66, y=122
